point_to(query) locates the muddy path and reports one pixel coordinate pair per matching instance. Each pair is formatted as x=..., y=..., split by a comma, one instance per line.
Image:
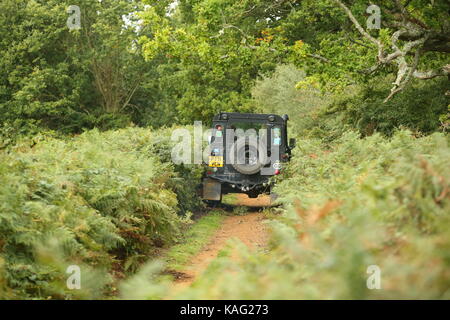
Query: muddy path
x=248, y=228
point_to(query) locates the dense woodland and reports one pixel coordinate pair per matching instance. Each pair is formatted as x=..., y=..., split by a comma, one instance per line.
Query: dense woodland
x=86, y=117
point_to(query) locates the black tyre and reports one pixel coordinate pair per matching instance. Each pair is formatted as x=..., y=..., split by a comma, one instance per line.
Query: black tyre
x=213, y=203
x=245, y=157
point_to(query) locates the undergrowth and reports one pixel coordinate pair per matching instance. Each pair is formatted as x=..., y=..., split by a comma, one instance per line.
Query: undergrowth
x=348, y=206
x=102, y=201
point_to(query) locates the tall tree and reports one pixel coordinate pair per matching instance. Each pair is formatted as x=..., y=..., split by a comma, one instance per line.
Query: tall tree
x=57, y=77
x=216, y=50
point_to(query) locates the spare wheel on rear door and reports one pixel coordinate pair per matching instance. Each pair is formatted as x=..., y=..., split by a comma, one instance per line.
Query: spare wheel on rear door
x=247, y=156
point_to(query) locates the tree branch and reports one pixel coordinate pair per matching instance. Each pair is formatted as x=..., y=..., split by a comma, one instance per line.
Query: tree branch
x=418, y=38
x=430, y=74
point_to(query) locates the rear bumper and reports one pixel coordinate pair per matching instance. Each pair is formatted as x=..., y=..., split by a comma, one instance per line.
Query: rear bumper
x=238, y=184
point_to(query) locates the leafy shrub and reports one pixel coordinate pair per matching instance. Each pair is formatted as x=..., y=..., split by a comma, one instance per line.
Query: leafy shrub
x=240, y=210
x=188, y=175
x=107, y=198
x=350, y=205
x=418, y=108
x=422, y=107
x=278, y=94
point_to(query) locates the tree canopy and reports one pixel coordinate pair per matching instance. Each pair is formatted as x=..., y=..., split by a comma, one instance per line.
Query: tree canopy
x=156, y=63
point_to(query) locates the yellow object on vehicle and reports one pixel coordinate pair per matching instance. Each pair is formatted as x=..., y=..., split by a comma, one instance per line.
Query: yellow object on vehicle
x=216, y=161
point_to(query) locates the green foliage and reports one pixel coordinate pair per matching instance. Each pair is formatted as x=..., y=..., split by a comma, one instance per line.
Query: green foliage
x=58, y=79
x=193, y=240
x=106, y=201
x=240, y=211
x=213, y=63
x=158, y=68
x=107, y=198
x=349, y=205
x=418, y=109
x=145, y=284
x=278, y=94
x=188, y=176
x=312, y=113
x=326, y=44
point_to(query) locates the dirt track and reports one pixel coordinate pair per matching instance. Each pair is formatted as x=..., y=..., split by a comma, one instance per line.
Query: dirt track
x=247, y=228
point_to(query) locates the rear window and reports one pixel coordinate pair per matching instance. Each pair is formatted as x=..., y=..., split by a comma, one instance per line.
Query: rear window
x=248, y=128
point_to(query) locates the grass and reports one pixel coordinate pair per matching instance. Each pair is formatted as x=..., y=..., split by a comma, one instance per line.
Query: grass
x=229, y=199
x=348, y=206
x=240, y=211
x=196, y=237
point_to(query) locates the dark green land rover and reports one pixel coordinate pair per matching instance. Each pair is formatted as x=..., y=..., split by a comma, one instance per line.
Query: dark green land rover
x=245, y=151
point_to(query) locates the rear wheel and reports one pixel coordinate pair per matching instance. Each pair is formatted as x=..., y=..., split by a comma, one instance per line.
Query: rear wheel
x=213, y=203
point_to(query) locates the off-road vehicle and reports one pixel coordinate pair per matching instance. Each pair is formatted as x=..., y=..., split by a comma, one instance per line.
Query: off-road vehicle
x=245, y=151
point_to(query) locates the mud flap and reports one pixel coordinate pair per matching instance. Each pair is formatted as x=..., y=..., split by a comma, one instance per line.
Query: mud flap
x=212, y=190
